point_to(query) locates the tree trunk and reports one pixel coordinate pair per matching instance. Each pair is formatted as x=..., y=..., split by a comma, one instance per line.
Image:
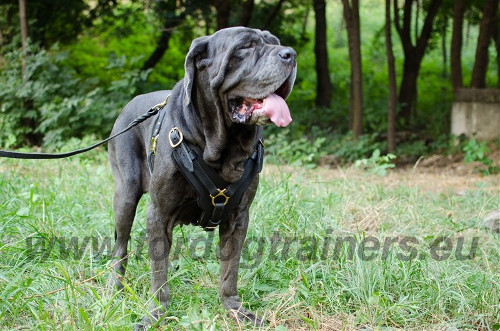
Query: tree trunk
x=413, y=54
x=323, y=85
x=24, y=33
x=272, y=15
x=246, y=13
x=444, y=51
x=486, y=30
x=171, y=22
x=456, y=45
x=223, y=8
x=31, y=138
x=408, y=87
x=496, y=40
x=392, y=102
x=351, y=17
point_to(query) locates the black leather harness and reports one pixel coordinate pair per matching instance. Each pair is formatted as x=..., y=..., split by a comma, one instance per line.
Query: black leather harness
x=216, y=198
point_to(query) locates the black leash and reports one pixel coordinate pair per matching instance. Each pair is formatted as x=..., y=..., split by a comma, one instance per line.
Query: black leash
x=45, y=156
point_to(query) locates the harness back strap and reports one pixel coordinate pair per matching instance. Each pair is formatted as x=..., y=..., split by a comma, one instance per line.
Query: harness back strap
x=216, y=198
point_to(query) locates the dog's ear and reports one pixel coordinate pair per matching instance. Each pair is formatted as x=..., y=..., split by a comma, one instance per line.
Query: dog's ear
x=199, y=46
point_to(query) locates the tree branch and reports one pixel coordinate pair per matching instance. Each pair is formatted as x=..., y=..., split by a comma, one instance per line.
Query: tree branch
x=273, y=14
x=427, y=28
x=397, y=22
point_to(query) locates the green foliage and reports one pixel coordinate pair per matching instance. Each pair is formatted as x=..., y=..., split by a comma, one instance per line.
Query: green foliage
x=51, y=22
x=55, y=102
x=300, y=151
x=348, y=149
x=475, y=151
x=78, y=89
x=377, y=164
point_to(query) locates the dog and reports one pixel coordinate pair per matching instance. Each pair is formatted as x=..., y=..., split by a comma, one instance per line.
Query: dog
x=236, y=81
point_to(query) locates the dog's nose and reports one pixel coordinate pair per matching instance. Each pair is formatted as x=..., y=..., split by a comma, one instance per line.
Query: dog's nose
x=287, y=55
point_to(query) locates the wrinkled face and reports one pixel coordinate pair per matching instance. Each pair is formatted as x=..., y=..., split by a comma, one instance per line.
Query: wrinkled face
x=259, y=78
x=252, y=75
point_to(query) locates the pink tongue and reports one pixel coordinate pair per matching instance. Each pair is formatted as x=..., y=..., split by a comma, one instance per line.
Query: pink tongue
x=277, y=110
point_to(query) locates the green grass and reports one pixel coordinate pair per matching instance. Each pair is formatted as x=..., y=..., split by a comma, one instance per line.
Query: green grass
x=295, y=283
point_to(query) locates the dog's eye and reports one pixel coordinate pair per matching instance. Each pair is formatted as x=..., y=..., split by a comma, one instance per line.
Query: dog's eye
x=250, y=45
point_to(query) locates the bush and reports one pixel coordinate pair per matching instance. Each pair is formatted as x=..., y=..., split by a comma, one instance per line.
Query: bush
x=301, y=151
x=475, y=151
x=53, y=103
x=377, y=164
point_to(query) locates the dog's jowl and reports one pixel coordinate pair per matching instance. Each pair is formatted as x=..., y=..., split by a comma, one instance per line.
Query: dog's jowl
x=199, y=158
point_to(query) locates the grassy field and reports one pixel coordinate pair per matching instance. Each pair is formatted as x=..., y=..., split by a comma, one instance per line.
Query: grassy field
x=327, y=249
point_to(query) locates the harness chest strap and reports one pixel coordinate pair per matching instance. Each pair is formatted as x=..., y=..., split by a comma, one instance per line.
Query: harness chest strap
x=216, y=198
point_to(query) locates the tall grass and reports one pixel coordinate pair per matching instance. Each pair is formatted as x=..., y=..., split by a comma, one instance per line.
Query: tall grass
x=296, y=270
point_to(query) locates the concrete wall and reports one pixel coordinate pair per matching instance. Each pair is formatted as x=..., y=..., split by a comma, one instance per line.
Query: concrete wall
x=476, y=112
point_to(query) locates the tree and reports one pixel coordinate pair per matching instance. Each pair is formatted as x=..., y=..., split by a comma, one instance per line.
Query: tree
x=351, y=17
x=496, y=40
x=272, y=15
x=223, y=8
x=456, y=44
x=413, y=53
x=29, y=121
x=392, y=103
x=324, y=84
x=486, y=31
x=24, y=31
x=246, y=12
x=56, y=21
x=171, y=21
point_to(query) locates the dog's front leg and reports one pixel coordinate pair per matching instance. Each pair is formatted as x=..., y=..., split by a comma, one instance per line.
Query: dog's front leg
x=232, y=236
x=159, y=243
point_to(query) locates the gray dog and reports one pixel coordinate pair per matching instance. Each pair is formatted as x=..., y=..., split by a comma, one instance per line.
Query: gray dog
x=235, y=80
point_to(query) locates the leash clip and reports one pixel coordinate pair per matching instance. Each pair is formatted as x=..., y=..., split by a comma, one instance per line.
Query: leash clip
x=161, y=104
x=175, y=137
x=153, y=144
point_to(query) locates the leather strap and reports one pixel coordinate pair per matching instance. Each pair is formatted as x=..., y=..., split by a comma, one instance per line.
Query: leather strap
x=215, y=197
x=45, y=156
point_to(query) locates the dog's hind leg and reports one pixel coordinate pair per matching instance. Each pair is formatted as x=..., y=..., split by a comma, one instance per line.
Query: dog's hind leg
x=159, y=245
x=127, y=196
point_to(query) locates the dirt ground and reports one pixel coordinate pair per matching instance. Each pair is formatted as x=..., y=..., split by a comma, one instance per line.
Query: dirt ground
x=436, y=173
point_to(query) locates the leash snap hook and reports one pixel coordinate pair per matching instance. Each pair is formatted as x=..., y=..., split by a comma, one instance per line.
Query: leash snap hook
x=153, y=144
x=161, y=104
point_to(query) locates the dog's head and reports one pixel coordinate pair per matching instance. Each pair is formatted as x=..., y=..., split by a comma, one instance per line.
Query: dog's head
x=248, y=72
x=239, y=75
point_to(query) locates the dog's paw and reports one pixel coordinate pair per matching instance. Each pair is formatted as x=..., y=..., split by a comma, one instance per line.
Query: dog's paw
x=140, y=327
x=153, y=319
x=245, y=316
x=145, y=324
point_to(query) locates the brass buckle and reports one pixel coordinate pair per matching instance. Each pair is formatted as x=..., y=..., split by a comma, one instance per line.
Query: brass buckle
x=153, y=144
x=181, y=137
x=220, y=194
